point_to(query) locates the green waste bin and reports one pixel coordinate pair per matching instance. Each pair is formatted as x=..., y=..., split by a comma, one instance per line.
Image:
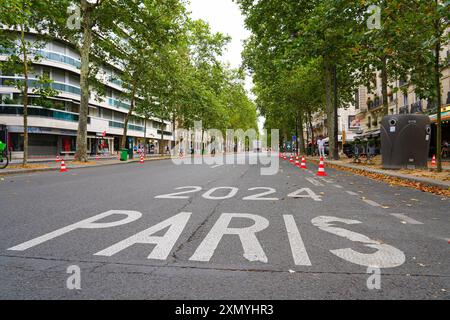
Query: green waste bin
x=124, y=155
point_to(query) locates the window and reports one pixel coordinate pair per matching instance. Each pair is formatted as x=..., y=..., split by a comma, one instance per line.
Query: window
x=357, y=99
x=369, y=122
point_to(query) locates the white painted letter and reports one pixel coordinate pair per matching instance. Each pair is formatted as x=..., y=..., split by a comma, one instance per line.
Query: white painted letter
x=89, y=223
x=164, y=244
x=386, y=256
x=252, y=248
x=298, y=249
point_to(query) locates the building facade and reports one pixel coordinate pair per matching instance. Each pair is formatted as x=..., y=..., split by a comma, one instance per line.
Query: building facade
x=53, y=122
x=403, y=99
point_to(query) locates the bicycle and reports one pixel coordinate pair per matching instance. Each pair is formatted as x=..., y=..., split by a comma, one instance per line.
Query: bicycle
x=4, y=160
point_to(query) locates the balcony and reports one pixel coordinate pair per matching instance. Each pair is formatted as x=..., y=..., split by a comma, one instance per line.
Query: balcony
x=52, y=56
x=33, y=83
x=36, y=111
x=118, y=104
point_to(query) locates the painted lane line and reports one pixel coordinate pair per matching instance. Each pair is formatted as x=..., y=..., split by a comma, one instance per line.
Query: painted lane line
x=217, y=166
x=372, y=203
x=352, y=193
x=338, y=186
x=314, y=182
x=405, y=218
x=327, y=180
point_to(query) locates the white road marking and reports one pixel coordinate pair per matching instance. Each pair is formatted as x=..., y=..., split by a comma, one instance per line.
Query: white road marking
x=298, y=249
x=338, y=186
x=259, y=196
x=176, y=195
x=89, y=223
x=231, y=194
x=327, y=180
x=164, y=244
x=405, y=218
x=372, y=203
x=314, y=182
x=252, y=248
x=310, y=194
x=386, y=257
x=217, y=166
x=352, y=193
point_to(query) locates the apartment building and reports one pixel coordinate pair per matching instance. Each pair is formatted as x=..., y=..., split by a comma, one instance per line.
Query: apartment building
x=402, y=100
x=53, y=122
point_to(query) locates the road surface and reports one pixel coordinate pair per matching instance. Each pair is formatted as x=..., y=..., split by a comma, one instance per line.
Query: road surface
x=164, y=231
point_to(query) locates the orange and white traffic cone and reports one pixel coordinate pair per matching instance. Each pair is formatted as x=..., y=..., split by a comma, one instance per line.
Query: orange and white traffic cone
x=63, y=166
x=58, y=159
x=284, y=157
x=141, y=161
x=303, y=164
x=321, y=172
x=433, y=161
x=291, y=159
x=297, y=161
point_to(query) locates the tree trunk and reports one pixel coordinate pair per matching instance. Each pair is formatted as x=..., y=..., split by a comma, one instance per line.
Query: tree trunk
x=437, y=74
x=312, y=131
x=81, y=153
x=161, y=144
x=329, y=104
x=335, y=119
x=384, y=86
x=123, y=142
x=25, y=96
x=145, y=136
x=301, y=136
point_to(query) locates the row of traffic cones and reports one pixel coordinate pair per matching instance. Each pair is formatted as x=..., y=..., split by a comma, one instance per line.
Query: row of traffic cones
x=64, y=168
x=320, y=172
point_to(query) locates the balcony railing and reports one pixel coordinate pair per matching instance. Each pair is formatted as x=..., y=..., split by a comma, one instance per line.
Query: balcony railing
x=36, y=111
x=119, y=104
x=48, y=55
x=33, y=83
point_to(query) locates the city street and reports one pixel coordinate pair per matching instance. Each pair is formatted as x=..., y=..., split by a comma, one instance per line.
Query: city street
x=220, y=232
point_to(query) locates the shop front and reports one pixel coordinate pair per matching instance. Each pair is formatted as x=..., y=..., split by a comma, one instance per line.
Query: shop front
x=42, y=142
x=445, y=125
x=100, y=144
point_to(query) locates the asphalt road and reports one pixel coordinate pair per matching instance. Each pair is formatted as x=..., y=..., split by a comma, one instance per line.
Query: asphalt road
x=221, y=243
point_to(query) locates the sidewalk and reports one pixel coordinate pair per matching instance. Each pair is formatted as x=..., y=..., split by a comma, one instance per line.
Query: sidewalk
x=42, y=165
x=406, y=175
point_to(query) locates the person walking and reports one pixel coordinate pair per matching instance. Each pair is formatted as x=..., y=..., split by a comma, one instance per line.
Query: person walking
x=321, y=146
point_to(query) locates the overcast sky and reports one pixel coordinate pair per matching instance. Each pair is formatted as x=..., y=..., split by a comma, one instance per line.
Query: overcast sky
x=224, y=16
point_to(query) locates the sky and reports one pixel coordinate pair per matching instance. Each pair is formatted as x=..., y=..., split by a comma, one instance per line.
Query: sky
x=224, y=16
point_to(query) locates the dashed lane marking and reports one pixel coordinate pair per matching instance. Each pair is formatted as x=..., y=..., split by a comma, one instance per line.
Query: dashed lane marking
x=217, y=166
x=314, y=182
x=405, y=218
x=372, y=203
x=338, y=186
x=352, y=193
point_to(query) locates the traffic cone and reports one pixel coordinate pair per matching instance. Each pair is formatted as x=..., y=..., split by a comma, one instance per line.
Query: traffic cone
x=58, y=159
x=291, y=159
x=141, y=161
x=433, y=161
x=97, y=157
x=297, y=161
x=321, y=172
x=303, y=165
x=284, y=157
x=63, y=166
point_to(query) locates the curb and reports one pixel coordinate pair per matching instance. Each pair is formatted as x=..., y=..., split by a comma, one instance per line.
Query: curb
x=26, y=171
x=424, y=181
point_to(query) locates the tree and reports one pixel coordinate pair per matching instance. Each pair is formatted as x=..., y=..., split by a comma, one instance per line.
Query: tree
x=19, y=17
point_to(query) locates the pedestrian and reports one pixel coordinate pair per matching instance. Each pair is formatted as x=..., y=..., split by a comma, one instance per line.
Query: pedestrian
x=321, y=146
